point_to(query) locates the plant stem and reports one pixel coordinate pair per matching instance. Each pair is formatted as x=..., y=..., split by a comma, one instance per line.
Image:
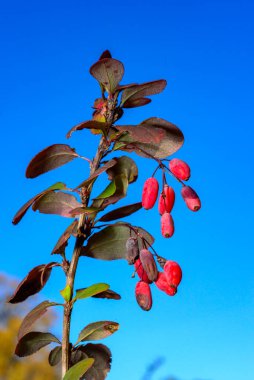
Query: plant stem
x=74, y=262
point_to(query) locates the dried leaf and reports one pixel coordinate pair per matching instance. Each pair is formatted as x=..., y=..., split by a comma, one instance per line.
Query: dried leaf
x=143, y=90
x=50, y=158
x=33, y=316
x=121, y=212
x=90, y=124
x=55, y=356
x=97, y=331
x=99, y=171
x=63, y=240
x=125, y=166
x=34, y=341
x=108, y=72
x=57, y=203
x=22, y=211
x=32, y=283
x=90, y=291
x=78, y=370
x=110, y=242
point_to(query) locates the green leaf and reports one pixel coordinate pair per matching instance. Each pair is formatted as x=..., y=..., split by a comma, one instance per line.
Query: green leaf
x=50, y=158
x=97, y=331
x=108, y=72
x=121, y=212
x=34, y=341
x=90, y=291
x=66, y=293
x=110, y=242
x=33, y=316
x=79, y=369
x=110, y=190
x=55, y=356
x=125, y=166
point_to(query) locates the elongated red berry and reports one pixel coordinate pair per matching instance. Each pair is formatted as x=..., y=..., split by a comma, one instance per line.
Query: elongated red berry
x=143, y=295
x=166, y=200
x=148, y=264
x=141, y=272
x=191, y=198
x=150, y=193
x=132, y=250
x=163, y=284
x=173, y=273
x=167, y=225
x=180, y=169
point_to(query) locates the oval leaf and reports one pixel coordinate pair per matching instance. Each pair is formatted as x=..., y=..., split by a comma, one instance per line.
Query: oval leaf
x=121, y=212
x=32, y=283
x=110, y=243
x=99, y=171
x=79, y=369
x=90, y=124
x=97, y=331
x=57, y=203
x=91, y=291
x=143, y=90
x=139, y=102
x=63, y=240
x=125, y=166
x=33, y=316
x=34, y=341
x=108, y=72
x=50, y=158
x=55, y=356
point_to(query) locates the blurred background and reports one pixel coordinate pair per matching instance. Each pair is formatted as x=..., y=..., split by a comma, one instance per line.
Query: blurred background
x=205, y=51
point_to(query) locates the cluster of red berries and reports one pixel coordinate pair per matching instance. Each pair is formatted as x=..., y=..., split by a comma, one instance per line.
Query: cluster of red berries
x=146, y=268
x=181, y=171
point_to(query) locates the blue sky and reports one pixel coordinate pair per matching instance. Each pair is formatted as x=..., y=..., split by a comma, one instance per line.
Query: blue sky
x=205, y=51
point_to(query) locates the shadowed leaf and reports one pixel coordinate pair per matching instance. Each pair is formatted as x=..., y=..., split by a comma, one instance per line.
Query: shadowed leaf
x=108, y=72
x=79, y=369
x=33, y=316
x=158, y=137
x=121, y=212
x=55, y=356
x=105, y=54
x=34, y=341
x=143, y=90
x=139, y=102
x=63, y=240
x=97, y=331
x=109, y=294
x=91, y=291
x=57, y=203
x=126, y=166
x=99, y=171
x=84, y=210
x=50, y=158
x=21, y=212
x=90, y=124
x=110, y=243
x=32, y=283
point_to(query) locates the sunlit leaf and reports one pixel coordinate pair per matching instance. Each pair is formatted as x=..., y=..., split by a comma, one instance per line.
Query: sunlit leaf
x=33, y=316
x=108, y=72
x=50, y=158
x=97, y=331
x=34, y=341
x=143, y=90
x=139, y=102
x=110, y=190
x=57, y=203
x=55, y=356
x=90, y=124
x=66, y=293
x=121, y=212
x=91, y=291
x=79, y=369
x=110, y=242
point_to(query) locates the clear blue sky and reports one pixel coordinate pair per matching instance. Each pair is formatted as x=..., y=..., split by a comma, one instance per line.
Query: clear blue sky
x=205, y=51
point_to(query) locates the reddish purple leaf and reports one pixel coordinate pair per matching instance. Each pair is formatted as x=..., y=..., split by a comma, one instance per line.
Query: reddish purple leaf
x=105, y=54
x=50, y=158
x=132, y=103
x=108, y=72
x=57, y=203
x=91, y=124
x=32, y=283
x=63, y=240
x=21, y=212
x=99, y=171
x=108, y=294
x=124, y=166
x=143, y=90
x=121, y=212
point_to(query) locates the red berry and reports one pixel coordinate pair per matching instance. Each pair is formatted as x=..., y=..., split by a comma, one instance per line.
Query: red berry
x=191, y=198
x=163, y=285
x=143, y=295
x=148, y=264
x=167, y=225
x=150, y=193
x=173, y=273
x=166, y=200
x=141, y=272
x=180, y=169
